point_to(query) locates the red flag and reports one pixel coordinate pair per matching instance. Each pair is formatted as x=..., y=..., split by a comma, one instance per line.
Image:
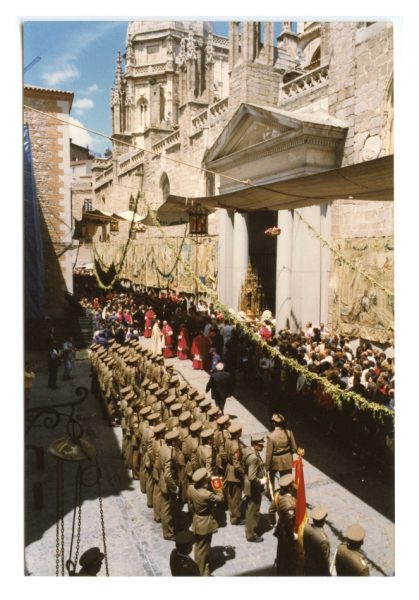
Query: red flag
x=300, y=504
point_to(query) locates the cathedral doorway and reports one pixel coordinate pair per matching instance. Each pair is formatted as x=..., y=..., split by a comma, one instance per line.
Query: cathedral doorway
x=262, y=254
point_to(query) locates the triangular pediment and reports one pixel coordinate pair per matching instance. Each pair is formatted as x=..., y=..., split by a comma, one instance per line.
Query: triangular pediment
x=252, y=126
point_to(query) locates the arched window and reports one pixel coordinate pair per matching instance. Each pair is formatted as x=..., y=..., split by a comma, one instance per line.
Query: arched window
x=164, y=187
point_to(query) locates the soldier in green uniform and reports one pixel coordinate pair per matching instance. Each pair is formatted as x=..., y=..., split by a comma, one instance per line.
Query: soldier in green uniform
x=234, y=473
x=168, y=484
x=146, y=442
x=201, y=500
x=286, y=553
x=154, y=456
x=181, y=564
x=254, y=482
x=205, y=453
x=142, y=449
x=316, y=545
x=349, y=559
x=189, y=448
x=184, y=422
x=221, y=436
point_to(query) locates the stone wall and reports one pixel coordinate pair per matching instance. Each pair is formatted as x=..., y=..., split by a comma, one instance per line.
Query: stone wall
x=51, y=161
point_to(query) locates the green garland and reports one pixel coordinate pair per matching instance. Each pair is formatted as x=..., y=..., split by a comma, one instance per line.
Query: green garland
x=339, y=396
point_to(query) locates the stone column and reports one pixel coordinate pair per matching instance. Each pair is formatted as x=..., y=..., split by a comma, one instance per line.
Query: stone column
x=268, y=43
x=325, y=231
x=283, y=270
x=241, y=255
x=225, y=257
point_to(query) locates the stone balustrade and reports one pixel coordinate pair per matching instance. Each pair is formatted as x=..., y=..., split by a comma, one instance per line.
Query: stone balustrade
x=306, y=82
x=131, y=162
x=170, y=140
x=207, y=117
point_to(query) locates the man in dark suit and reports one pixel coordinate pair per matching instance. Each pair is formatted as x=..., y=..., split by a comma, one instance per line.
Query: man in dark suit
x=221, y=385
x=181, y=564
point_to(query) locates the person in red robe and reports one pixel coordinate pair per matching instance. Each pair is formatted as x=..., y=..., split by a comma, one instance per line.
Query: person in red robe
x=167, y=332
x=200, y=351
x=183, y=343
x=149, y=316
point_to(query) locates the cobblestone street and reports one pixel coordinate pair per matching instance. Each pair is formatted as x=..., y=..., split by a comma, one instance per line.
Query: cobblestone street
x=134, y=540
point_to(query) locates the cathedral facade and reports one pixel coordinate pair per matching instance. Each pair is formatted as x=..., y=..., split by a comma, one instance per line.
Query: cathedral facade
x=293, y=134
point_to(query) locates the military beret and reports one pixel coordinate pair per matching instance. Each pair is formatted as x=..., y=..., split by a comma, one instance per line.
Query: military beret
x=176, y=406
x=196, y=426
x=207, y=433
x=171, y=435
x=90, y=557
x=145, y=411
x=319, y=513
x=126, y=390
x=160, y=428
x=355, y=533
x=153, y=387
x=153, y=416
x=160, y=391
x=223, y=419
x=277, y=418
x=256, y=438
x=184, y=538
x=235, y=428
x=200, y=475
x=286, y=480
x=206, y=403
x=185, y=416
x=213, y=411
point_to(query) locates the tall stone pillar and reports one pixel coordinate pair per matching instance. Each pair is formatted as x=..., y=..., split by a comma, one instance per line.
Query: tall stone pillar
x=241, y=255
x=284, y=270
x=225, y=257
x=233, y=38
x=326, y=232
x=268, y=43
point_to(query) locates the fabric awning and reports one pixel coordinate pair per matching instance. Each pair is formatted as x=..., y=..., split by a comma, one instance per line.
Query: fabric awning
x=128, y=215
x=175, y=210
x=371, y=180
x=98, y=215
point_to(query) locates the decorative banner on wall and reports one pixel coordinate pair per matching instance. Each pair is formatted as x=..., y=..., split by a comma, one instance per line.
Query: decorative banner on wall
x=150, y=261
x=358, y=308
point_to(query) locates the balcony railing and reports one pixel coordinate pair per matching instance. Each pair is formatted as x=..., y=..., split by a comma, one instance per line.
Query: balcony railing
x=305, y=83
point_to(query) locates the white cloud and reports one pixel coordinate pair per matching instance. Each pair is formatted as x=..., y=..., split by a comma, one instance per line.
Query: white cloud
x=92, y=89
x=69, y=71
x=79, y=136
x=83, y=104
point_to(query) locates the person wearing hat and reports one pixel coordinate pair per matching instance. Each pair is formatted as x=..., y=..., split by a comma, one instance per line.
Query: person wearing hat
x=286, y=552
x=221, y=385
x=183, y=343
x=184, y=422
x=168, y=484
x=159, y=405
x=173, y=420
x=153, y=452
x=90, y=562
x=167, y=345
x=221, y=436
x=205, y=453
x=201, y=412
x=169, y=400
x=144, y=424
x=254, y=482
x=149, y=316
x=212, y=416
x=181, y=564
x=316, y=545
x=146, y=441
x=200, y=351
x=201, y=500
x=234, y=473
x=280, y=446
x=189, y=448
x=349, y=558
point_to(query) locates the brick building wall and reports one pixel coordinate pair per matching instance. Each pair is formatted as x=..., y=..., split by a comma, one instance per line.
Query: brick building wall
x=51, y=163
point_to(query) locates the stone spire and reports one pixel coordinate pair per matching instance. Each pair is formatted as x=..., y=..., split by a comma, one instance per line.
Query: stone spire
x=118, y=72
x=209, y=51
x=190, y=47
x=130, y=57
x=181, y=59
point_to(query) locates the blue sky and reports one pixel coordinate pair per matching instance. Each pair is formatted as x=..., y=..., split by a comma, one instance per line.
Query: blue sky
x=79, y=56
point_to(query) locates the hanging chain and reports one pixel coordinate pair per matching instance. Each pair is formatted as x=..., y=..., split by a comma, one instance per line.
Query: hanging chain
x=62, y=517
x=102, y=519
x=57, y=524
x=78, y=525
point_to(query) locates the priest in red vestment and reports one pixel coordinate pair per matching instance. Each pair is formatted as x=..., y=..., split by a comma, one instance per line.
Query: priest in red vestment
x=200, y=351
x=183, y=343
x=149, y=316
x=167, y=332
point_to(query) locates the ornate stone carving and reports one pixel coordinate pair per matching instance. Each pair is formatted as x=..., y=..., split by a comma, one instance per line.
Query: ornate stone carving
x=190, y=46
x=130, y=57
x=181, y=59
x=129, y=99
x=114, y=97
x=209, y=51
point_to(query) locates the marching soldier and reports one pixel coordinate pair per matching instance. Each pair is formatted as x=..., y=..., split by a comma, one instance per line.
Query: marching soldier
x=168, y=484
x=154, y=456
x=181, y=564
x=144, y=424
x=201, y=499
x=349, y=559
x=286, y=553
x=173, y=421
x=146, y=442
x=212, y=416
x=205, y=454
x=189, y=448
x=254, y=482
x=184, y=422
x=234, y=473
x=221, y=436
x=316, y=545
